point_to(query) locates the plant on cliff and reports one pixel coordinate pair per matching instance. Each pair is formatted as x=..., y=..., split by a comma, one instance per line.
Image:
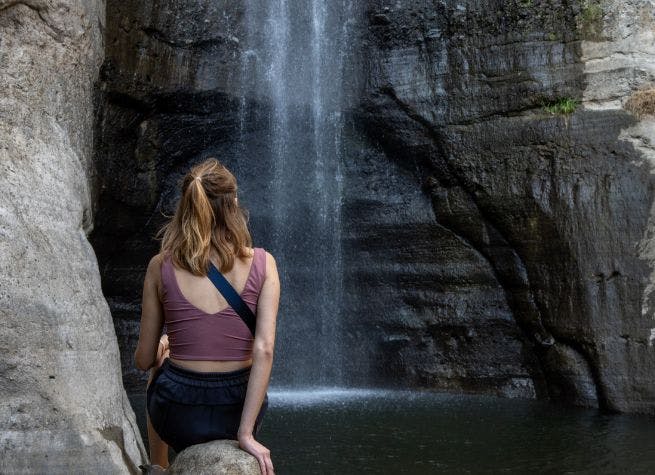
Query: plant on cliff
x=590, y=19
x=592, y=11
x=564, y=106
x=642, y=102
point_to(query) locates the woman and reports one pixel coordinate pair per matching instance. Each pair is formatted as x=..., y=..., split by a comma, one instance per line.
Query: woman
x=209, y=374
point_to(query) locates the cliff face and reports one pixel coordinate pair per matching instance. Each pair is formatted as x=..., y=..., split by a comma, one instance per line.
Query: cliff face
x=64, y=409
x=487, y=244
x=547, y=248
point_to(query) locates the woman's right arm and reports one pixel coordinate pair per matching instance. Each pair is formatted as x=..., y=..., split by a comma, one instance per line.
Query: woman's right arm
x=262, y=363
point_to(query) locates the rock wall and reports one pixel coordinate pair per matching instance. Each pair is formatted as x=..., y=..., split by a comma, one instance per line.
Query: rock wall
x=63, y=409
x=550, y=211
x=488, y=245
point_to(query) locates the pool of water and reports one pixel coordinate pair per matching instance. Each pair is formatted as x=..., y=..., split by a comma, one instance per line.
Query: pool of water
x=332, y=431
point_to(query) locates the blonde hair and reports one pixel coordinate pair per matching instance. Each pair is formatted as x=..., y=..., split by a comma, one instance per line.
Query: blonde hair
x=207, y=215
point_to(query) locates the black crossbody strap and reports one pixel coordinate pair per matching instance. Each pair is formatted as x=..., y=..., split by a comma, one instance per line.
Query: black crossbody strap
x=232, y=297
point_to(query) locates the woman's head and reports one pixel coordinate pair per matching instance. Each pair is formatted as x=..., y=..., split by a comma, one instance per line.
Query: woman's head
x=207, y=215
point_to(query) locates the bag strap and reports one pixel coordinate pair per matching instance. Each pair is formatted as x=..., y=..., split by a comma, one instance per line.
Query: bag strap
x=232, y=297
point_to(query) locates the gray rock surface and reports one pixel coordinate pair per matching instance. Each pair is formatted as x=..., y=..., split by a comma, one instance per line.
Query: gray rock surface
x=488, y=245
x=63, y=408
x=219, y=457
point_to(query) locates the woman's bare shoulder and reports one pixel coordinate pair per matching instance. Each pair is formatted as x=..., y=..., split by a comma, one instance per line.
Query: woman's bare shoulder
x=270, y=261
x=268, y=255
x=155, y=262
x=158, y=258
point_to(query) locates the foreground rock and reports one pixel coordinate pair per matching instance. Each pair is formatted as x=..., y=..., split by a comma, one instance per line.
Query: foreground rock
x=63, y=408
x=219, y=457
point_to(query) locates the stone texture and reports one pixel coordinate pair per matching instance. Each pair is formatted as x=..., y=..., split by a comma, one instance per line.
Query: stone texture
x=63, y=408
x=219, y=457
x=432, y=311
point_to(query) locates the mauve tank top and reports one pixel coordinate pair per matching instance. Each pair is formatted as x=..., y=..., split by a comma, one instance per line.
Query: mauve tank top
x=196, y=335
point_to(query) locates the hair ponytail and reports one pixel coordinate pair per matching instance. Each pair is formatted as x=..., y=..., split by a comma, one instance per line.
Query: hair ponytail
x=197, y=223
x=207, y=215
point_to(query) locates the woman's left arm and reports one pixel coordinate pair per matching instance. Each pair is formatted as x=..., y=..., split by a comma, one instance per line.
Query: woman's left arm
x=152, y=317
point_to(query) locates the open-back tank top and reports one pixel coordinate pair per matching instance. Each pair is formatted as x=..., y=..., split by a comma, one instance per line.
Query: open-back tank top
x=197, y=335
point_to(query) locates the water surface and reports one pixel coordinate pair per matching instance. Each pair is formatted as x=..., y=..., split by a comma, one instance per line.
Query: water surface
x=346, y=431
x=350, y=431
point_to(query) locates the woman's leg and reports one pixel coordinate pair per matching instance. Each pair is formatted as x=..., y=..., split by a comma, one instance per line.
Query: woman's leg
x=158, y=448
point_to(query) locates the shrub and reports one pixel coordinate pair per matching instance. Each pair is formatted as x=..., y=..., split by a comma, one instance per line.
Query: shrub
x=642, y=102
x=592, y=12
x=590, y=20
x=565, y=105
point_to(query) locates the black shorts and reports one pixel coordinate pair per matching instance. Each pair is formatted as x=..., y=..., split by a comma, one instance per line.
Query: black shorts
x=189, y=407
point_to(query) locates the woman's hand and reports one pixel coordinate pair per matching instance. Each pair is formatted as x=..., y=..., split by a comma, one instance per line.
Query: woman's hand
x=261, y=453
x=163, y=351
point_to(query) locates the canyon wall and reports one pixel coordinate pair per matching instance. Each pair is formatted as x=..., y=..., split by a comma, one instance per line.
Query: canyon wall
x=486, y=244
x=63, y=409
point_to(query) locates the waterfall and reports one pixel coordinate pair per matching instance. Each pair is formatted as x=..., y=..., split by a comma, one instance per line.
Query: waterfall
x=292, y=83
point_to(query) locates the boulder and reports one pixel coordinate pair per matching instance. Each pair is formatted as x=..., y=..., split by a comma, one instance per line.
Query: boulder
x=218, y=457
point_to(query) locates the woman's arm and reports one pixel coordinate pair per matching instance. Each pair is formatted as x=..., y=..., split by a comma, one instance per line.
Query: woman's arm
x=262, y=364
x=152, y=317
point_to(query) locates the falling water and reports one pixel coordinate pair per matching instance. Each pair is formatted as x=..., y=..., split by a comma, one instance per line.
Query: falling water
x=293, y=78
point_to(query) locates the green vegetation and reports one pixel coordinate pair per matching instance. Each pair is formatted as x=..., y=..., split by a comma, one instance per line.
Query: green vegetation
x=525, y=3
x=592, y=12
x=590, y=20
x=563, y=106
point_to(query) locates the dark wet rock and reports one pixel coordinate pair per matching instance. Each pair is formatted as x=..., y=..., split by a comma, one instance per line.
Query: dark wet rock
x=555, y=206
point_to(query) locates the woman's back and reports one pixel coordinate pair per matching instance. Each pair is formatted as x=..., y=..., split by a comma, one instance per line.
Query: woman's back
x=204, y=331
x=210, y=374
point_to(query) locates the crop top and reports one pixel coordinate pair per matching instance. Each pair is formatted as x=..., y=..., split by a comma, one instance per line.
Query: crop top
x=197, y=335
